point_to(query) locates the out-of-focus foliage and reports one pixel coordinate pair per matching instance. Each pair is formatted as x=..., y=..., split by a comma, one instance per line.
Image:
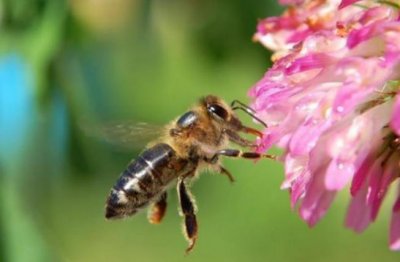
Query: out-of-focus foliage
x=65, y=65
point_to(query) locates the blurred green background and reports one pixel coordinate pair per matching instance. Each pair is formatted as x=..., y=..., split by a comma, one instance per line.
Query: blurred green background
x=68, y=64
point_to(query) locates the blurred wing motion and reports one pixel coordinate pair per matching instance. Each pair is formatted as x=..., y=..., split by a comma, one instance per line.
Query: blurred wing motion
x=125, y=135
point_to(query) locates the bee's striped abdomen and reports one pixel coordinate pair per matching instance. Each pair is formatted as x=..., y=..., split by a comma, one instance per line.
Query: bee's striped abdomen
x=143, y=179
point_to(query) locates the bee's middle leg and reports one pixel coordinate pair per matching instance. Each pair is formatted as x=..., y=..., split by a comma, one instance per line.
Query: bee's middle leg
x=188, y=210
x=239, y=153
x=157, y=210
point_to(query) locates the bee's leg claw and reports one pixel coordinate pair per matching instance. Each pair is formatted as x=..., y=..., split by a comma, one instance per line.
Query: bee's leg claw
x=191, y=245
x=225, y=172
x=188, y=212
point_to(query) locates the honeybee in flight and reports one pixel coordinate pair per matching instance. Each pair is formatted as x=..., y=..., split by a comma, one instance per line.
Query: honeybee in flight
x=190, y=143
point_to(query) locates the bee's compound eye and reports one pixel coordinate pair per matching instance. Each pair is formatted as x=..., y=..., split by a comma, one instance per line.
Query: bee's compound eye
x=218, y=111
x=187, y=119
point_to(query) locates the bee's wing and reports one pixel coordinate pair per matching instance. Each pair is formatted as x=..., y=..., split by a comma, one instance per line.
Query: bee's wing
x=126, y=134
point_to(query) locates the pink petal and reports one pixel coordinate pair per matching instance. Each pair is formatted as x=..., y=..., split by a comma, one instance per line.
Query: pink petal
x=375, y=14
x=273, y=24
x=305, y=63
x=361, y=175
x=360, y=78
x=270, y=137
x=297, y=178
x=345, y=3
x=304, y=138
x=291, y=2
x=299, y=36
x=294, y=167
x=338, y=174
x=358, y=213
x=395, y=120
x=380, y=184
x=317, y=199
x=360, y=35
x=298, y=188
x=314, y=207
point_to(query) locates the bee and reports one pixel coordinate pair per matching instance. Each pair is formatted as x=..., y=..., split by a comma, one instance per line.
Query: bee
x=194, y=141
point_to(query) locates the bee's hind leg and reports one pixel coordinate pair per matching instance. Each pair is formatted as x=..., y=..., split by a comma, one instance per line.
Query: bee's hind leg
x=157, y=210
x=187, y=210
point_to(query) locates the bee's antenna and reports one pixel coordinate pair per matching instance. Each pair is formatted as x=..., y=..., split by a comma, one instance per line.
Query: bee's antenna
x=243, y=105
x=248, y=110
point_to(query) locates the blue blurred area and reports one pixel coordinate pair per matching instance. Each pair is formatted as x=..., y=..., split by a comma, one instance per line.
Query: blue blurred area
x=58, y=128
x=18, y=121
x=22, y=118
x=17, y=110
x=69, y=68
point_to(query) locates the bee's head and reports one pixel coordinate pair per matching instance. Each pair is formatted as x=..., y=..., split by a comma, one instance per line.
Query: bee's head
x=218, y=113
x=224, y=115
x=210, y=109
x=218, y=110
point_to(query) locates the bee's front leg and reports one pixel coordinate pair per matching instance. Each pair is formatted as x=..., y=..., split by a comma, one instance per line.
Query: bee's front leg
x=237, y=139
x=188, y=210
x=157, y=210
